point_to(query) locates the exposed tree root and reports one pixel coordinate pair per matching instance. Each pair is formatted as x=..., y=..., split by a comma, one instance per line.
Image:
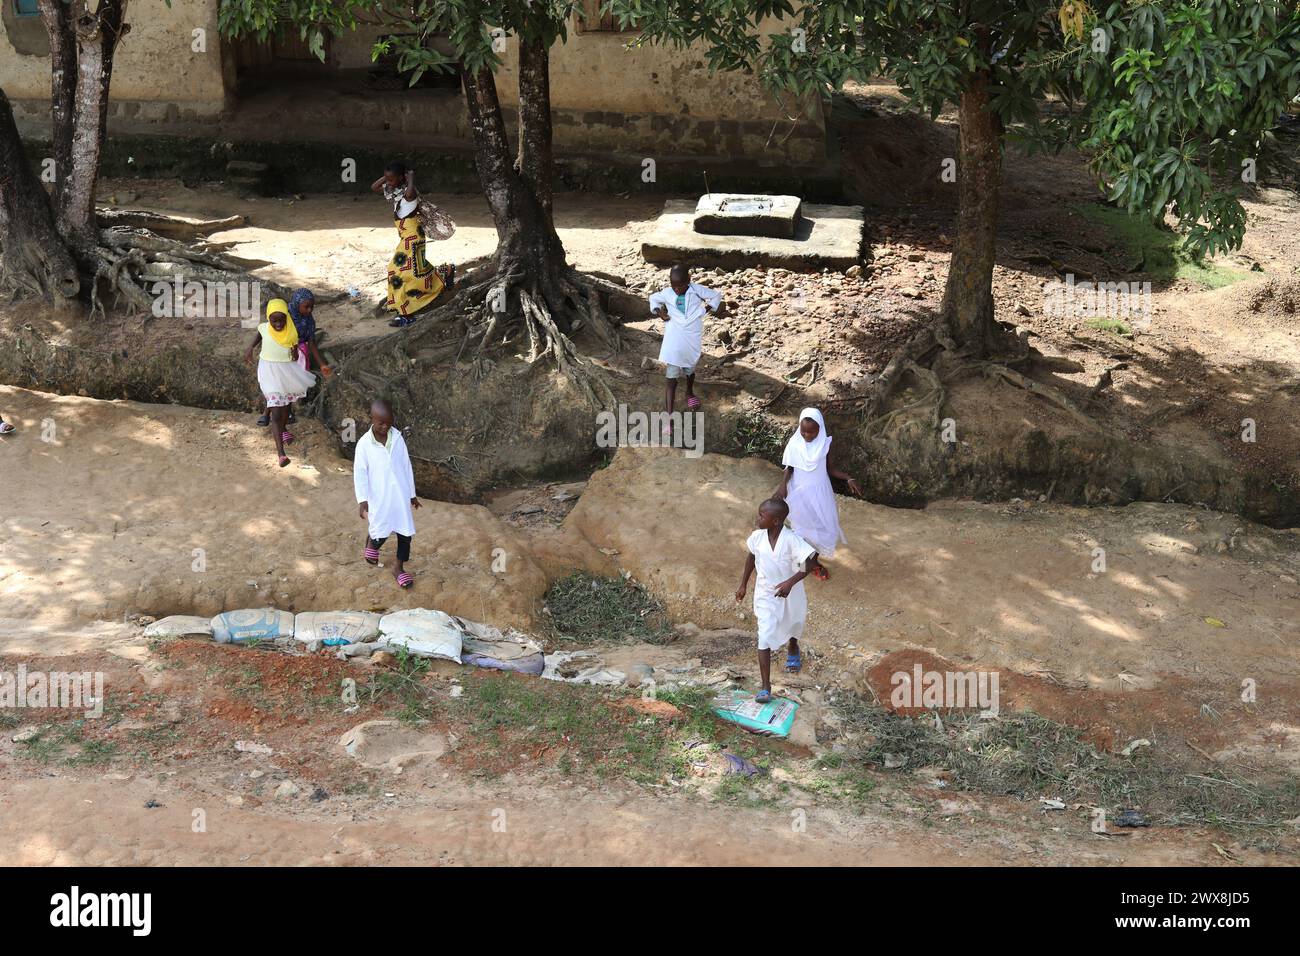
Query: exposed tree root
x=130, y=262
x=932, y=357
x=1045, y=392
x=491, y=310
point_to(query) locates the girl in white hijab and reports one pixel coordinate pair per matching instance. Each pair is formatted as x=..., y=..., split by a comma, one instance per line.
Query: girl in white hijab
x=806, y=487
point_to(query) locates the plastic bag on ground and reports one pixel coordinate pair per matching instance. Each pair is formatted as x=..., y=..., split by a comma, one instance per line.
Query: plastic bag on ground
x=773, y=719
x=180, y=625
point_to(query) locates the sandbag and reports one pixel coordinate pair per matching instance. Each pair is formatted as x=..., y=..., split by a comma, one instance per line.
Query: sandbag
x=528, y=664
x=423, y=633
x=180, y=625
x=772, y=719
x=336, y=628
x=252, y=624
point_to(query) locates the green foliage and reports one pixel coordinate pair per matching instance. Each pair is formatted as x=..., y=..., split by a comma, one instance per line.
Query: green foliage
x=468, y=25
x=1156, y=250
x=1169, y=96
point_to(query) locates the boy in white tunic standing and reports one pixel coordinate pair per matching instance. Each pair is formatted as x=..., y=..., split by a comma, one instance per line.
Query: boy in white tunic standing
x=682, y=306
x=385, y=487
x=783, y=560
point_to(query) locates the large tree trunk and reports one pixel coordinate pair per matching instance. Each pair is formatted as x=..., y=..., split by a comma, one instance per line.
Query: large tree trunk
x=60, y=24
x=526, y=236
x=968, y=296
x=535, y=163
x=82, y=45
x=35, y=257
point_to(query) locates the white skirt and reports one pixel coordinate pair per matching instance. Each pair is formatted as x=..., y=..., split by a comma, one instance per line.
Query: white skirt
x=283, y=383
x=813, y=513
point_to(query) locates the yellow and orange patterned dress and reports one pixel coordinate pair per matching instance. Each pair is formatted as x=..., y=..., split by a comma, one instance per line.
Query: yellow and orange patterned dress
x=413, y=283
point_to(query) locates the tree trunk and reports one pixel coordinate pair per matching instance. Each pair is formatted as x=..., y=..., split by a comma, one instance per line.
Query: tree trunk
x=526, y=235
x=535, y=163
x=35, y=257
x=60, y=21
x=968, y=296
x=96, y=37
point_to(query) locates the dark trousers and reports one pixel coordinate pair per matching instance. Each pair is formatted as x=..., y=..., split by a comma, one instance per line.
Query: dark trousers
x=403, y=546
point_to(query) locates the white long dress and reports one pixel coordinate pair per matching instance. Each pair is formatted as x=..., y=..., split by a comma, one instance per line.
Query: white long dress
x=381, y=475
x=684, y=330
x=779, y=619
x=813, y=512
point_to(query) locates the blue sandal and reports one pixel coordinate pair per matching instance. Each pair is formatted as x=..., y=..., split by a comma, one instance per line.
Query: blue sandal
x=763, y=697
x=793, y=663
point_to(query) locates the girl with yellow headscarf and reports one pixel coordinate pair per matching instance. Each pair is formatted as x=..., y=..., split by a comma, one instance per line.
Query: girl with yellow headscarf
x=282, y=380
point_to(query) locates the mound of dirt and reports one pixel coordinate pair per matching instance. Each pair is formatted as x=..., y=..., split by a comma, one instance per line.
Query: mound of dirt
x=115, y=507
x=1009, y=586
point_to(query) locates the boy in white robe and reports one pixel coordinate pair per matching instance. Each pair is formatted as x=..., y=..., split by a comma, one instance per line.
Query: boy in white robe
x=783, y=560
x=385, y=489
x=682, y=306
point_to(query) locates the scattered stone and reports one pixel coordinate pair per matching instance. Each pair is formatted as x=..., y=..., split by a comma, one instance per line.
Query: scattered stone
x=252, y=747
x=26, y=734
x=152, y=805
x=287, y=790
x=382, y=658
x=391, y=744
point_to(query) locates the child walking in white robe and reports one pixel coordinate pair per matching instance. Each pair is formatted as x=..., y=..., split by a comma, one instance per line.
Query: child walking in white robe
x=782, y=560
x=682, y=306
x=806, y=487
x=385, y=490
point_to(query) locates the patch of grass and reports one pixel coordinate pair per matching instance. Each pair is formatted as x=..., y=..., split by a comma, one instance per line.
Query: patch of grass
x=1026, y=755
x=404, y=683
x=1114, y=326
x=757, y=433
x=66, y=743
x=585, y=609
x=94, y=752
x=9, y=719
x=595, y=732
x=1155, y=250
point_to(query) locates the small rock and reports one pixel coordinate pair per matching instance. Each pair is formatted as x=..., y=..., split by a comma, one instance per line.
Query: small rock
x=286, y=790
x=383, y=658
x=28, y=733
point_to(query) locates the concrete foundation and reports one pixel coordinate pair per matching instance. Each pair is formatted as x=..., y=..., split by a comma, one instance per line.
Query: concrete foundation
x=826, y=237
x=738, y=214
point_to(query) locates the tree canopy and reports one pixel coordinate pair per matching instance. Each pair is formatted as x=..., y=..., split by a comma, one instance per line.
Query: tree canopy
x=1171, y=98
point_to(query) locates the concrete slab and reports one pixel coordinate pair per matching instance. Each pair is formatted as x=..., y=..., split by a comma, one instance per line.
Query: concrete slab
x=827, y=237
x=745, y=214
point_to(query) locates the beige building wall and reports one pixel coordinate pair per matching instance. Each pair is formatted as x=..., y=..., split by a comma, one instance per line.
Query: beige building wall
x=651, y=101
x=155, y=61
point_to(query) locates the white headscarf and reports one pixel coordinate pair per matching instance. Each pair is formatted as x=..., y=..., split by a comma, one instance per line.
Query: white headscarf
x=807, y=455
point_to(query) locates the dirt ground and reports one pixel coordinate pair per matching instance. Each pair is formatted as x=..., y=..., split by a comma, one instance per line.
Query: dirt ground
x=117, y=511
x=103, y=525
